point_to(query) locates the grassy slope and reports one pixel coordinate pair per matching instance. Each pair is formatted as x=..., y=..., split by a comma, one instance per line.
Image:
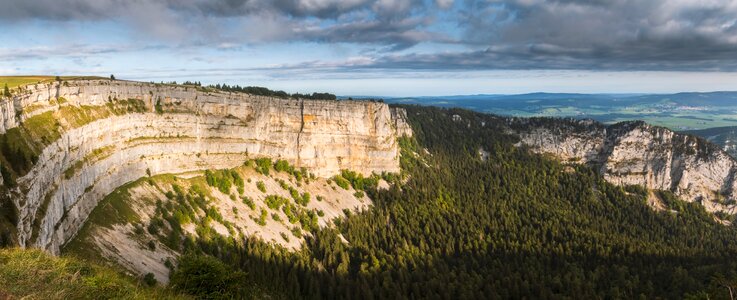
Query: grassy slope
x=33, y=274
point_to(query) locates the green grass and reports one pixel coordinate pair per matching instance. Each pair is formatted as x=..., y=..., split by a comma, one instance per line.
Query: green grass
x=115, y=207
x=34, y=274
x=16, y=81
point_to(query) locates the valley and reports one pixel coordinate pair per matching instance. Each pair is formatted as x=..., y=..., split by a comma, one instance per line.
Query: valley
x=286, y=198
x=366, y=149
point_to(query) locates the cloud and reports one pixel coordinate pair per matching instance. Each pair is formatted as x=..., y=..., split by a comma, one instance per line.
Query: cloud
x=444, y=4
x=627, y=34
x=396, y=23
x=486, y=34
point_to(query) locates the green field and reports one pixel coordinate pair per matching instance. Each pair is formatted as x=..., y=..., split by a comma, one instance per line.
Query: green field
x=681, y=111
x=16, y=81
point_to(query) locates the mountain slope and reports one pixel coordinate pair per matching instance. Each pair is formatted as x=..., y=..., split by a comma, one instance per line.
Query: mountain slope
x=146, y=225
x=635, y=153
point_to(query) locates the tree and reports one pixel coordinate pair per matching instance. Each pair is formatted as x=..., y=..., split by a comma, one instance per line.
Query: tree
x=6, y=91
x=112, y=77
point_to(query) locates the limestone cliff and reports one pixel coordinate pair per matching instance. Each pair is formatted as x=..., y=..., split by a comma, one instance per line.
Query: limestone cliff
x=177, y=129
x=637, y=153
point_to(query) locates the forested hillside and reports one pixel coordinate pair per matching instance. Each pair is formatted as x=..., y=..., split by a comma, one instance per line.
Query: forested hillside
x=459, y=225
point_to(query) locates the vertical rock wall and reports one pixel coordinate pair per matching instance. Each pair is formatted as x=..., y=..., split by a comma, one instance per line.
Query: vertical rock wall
x=197, y=130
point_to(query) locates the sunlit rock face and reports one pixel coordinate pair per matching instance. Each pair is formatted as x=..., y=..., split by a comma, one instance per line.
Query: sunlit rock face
x=183, y=129
x=637, y=153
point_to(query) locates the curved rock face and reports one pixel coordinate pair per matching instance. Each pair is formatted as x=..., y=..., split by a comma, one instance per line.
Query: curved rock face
x=185, y=129
x=637, y=153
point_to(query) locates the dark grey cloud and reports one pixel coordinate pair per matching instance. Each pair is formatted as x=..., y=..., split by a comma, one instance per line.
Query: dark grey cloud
x=496, y=34
x=395, y=23
x=616, y=34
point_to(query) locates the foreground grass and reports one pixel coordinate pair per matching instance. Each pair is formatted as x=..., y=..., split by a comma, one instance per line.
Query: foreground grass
x=34, y=274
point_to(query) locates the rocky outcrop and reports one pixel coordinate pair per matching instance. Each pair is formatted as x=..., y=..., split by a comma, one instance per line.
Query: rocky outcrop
x=637, y=153
x=183, y=129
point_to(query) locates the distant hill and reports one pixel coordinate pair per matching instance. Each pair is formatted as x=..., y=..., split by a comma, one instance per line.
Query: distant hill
x=679, y=112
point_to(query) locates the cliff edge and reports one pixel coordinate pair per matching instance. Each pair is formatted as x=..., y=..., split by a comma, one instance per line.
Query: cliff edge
x=67, y=144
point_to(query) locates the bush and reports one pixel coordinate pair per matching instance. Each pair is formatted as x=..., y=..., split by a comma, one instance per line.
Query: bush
x=222, y=179
x=305, y=199
x=297, y=232
x=247, y=201
x=153, y=227
x=275, y=201
x=262, y=218
x=159, y=109
x=283, y=166
x=263, y=165
x=207, y=278
x=261, y=187
x=341, y=182
x=149, y=279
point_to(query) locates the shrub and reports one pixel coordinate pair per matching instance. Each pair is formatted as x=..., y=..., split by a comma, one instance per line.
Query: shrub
x=249, y=202
x=207, y=278
x=149, y=279
x=274, y=201
x=262, y=218
x=261, y=187
x=262, y=165
x=341, y=182
x=153, y=227
x=222, y=180
x=305, y=199
x=283, y=166
x=297, y=232
x=159, y=109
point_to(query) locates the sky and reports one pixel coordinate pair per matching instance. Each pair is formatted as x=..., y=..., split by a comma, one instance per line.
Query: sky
x=384, y=47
